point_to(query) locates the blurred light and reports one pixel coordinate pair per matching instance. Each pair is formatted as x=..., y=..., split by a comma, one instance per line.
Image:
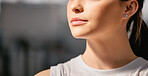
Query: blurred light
x=145, y=11
x=35, y=1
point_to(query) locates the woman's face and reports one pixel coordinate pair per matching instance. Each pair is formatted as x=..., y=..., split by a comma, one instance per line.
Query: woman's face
x=94, y=18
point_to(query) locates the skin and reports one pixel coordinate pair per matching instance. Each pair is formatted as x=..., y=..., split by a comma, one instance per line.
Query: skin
x=105, y=32
x=107, y=44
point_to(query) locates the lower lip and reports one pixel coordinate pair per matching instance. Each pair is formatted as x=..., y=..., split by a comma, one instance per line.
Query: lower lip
x=77, y=23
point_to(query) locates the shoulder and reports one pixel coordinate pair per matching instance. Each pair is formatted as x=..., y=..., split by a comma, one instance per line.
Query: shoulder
x=54, y=70
x=144, y=70
x=43, y=73
x=60, y=68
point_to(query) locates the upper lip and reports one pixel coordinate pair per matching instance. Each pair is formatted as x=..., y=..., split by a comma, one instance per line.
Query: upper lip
x=77, y=19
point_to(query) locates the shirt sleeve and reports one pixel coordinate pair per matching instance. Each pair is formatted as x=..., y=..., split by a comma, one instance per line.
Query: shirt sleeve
x=144, y=70
x=56, y=70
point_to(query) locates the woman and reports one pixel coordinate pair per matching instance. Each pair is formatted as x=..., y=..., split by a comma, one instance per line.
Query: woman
x=104, y=25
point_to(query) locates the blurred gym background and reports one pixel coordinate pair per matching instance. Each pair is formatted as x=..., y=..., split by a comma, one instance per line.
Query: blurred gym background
x=34, y=35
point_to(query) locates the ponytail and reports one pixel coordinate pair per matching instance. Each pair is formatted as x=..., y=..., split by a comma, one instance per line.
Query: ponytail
x=139, y=36
x=140, y=45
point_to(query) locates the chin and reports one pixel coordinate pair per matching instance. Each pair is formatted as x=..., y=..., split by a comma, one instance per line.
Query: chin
x=79, y=36
x=80, y=32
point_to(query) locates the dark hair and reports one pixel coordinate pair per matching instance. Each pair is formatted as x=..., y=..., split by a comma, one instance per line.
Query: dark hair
x=139, y=36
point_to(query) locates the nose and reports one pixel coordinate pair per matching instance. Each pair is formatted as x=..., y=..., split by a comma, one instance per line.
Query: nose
x=77, y=7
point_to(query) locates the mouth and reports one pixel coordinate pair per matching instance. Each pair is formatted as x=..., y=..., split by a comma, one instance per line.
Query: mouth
x=77, y=21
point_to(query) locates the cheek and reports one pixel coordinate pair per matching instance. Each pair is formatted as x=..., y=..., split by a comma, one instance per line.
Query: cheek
x=104, y=17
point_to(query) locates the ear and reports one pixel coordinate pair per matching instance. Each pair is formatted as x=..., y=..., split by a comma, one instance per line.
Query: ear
x=131, y=8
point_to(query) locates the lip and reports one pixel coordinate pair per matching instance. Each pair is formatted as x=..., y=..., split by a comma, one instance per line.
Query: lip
x=77, y=21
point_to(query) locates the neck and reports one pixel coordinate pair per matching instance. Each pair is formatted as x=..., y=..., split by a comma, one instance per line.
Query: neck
x=108, y=53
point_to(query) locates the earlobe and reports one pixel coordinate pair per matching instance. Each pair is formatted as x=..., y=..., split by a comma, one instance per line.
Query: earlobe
x=126, y=15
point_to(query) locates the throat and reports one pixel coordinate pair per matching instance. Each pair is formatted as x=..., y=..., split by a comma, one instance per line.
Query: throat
x=106, y=57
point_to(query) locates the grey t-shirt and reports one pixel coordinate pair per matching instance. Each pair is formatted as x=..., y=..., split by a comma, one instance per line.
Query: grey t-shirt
x=77, y=67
